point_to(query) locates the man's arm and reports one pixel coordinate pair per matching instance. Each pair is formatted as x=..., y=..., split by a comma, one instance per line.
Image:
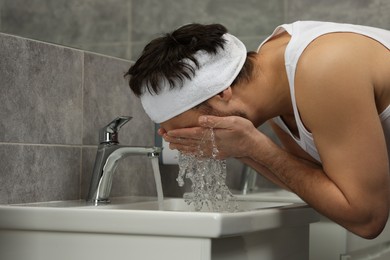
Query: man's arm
x=341, y=195
x=353, y=195
x=337, y=103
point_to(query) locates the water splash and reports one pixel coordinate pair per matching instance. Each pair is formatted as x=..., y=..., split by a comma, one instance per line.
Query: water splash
x=208, y=178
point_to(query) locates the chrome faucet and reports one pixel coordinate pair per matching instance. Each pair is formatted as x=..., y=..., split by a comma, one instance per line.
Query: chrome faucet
x=108, y=154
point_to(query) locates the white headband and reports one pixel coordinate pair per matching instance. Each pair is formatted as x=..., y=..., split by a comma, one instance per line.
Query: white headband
x=216, y=73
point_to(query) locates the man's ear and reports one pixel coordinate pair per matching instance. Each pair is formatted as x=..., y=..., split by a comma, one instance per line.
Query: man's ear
x=226, y=94
x=221, y=99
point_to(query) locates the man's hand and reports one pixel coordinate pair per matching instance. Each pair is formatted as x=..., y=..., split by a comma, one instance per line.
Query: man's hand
x=233, y=137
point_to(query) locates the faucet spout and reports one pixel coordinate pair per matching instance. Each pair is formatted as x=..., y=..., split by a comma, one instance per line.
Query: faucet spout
x=105, y=167
x=109, y=153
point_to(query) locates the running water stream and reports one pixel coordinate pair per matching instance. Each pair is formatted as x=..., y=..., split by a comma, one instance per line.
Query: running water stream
x=208, y=177
x=157, y=178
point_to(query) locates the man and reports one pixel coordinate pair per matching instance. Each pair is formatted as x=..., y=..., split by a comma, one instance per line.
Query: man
x=325, y=88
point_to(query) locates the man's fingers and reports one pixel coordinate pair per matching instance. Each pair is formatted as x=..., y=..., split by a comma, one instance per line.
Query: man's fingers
x=216, y=122
x=186, y=149
x=191, y=133
x=181, y=140
x=161, y=131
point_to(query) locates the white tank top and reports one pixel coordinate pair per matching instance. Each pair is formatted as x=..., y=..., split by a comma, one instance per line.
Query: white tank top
x=302, y=34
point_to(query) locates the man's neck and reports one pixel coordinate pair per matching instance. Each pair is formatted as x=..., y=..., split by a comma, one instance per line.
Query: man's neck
x=269, y=93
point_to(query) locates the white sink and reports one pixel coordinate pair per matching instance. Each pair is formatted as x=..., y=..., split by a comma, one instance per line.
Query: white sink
x=176, y=204
x=120, y=215
x=129, y=226
x=274, y=195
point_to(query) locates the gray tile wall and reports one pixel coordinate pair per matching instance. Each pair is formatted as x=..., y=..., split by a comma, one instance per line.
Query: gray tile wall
x=54, y=99
x=250, y=20
x=101, y=26
x=371, y=13
x=121, y=28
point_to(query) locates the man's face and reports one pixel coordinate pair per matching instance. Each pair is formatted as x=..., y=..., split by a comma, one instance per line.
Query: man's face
x=190, y=117
x=184, y=120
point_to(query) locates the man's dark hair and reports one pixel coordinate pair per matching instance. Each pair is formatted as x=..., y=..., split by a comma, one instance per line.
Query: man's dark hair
x=164, y=57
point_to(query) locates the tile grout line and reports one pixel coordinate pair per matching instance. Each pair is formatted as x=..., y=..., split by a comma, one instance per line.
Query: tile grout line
x=0, y=15
x=82, y=122
x=129, y=30
x=49, y=145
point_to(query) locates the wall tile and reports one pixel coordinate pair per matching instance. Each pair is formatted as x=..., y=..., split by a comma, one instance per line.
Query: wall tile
x=243, y=18
x=40, y=92
x=32, y=173
x=106, y=96
x=68, y=22
x=88, y=159
x=1, y=11
x=373, y=13
x=150, y=18
x=322, y=10
x=250, y=18
x=117, y=49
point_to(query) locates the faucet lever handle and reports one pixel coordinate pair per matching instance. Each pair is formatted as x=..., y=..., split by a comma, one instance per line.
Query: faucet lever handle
x=109, y=133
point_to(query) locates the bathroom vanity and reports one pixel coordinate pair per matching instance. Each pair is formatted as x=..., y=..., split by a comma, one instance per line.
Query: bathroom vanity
x=134, y=228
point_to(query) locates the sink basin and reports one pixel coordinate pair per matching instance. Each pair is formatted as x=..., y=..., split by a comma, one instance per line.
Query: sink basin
x=274, y=195
x=177, y=204
x=140, y=215
x=134, y=228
